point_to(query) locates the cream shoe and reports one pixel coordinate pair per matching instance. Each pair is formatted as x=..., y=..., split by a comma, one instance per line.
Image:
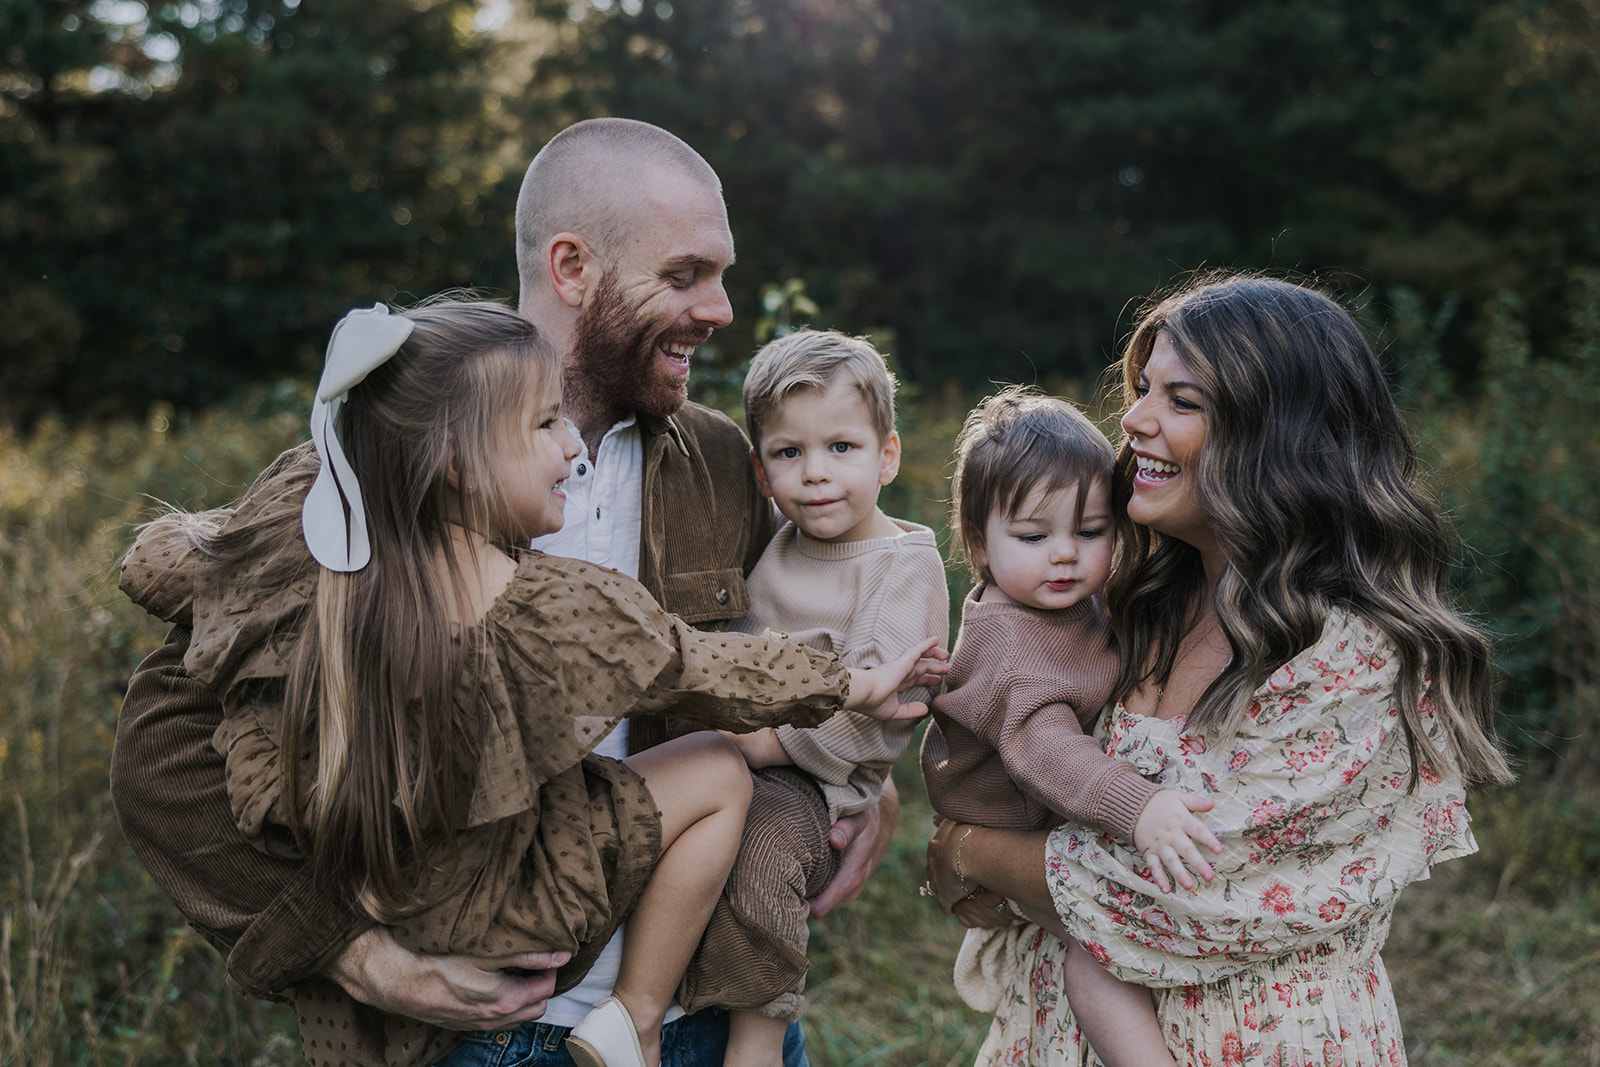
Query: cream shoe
x=606, y=1038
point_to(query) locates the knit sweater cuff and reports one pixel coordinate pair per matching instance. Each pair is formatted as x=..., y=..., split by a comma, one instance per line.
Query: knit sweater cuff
x=1124, y=801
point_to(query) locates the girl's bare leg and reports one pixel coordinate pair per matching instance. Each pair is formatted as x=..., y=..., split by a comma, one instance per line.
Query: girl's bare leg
x=702, y=786
x=1117, y=1017
x=754, y=1040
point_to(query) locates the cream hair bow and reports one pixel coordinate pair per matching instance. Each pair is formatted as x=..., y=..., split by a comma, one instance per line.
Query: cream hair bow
x=333, y=518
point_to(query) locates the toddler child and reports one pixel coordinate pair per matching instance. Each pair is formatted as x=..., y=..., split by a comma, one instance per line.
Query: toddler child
x=1009, y=743
x=411, y=703
x=842, y=577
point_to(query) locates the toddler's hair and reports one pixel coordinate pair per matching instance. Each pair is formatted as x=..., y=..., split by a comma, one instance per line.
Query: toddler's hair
x=1013, y=443
x=813, y=359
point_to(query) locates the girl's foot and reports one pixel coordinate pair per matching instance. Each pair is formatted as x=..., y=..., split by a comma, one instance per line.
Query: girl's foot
x=606, y=1038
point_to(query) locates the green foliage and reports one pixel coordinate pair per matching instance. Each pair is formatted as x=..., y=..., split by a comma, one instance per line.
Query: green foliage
x=177, y=228
x=993, y=183
x=95, y=966
x=192, y=195
x=1516, y=466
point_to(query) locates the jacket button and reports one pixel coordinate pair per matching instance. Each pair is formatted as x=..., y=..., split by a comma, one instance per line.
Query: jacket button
x=722, y=596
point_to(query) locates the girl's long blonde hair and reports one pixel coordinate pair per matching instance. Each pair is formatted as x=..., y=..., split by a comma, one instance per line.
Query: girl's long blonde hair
x=370, y=706
x=1307, y=475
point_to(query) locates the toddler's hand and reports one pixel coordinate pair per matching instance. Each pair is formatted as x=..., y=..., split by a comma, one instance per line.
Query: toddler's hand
x=871, y=688
x=1167, y=833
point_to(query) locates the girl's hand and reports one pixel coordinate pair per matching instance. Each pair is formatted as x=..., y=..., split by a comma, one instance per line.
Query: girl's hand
x=871, y=688
x=1167, y=833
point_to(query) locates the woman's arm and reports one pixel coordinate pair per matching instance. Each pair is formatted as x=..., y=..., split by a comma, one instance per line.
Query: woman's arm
x=973, y=870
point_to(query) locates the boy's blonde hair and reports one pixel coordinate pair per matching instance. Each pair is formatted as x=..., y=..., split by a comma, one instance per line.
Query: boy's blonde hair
x=1013, y=443
x=814, y=359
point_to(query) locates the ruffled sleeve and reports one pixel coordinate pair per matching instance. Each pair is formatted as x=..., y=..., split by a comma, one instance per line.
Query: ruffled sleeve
x=159, y=571
x=1319, y=832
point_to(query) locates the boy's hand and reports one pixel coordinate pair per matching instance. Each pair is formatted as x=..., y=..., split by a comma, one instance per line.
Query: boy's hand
x=921, y=665
x=1167, y=833
x=760, y=748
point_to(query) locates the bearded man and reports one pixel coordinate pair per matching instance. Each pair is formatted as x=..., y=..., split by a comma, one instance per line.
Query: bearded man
x=622, y=242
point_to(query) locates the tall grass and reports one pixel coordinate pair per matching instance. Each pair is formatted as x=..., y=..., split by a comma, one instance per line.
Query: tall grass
x=1497, y=959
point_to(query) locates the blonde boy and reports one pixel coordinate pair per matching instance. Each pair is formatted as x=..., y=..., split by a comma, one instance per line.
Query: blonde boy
x=839, y=575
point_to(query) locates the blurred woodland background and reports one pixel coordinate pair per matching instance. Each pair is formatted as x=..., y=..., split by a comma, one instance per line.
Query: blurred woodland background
x=192, y=192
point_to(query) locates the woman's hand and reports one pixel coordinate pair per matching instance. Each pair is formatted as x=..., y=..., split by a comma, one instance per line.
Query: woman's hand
x=946, y=874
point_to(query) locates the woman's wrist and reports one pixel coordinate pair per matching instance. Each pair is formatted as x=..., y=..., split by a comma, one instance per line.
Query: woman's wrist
x=961, y=875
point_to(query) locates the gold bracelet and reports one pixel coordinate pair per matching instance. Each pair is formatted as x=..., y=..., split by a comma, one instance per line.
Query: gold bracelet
x=962, y=878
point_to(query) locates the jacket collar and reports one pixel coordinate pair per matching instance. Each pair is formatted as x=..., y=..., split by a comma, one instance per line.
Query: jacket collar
x=655, y=426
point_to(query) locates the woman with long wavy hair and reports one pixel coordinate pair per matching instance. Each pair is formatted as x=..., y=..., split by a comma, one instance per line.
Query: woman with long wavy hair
x=1290, y=650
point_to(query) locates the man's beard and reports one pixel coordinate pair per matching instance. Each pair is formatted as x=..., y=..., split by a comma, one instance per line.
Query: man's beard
x=614, y=356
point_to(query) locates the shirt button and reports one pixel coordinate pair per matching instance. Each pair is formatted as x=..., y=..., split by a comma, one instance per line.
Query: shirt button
x=722, y=596
x=582, y=469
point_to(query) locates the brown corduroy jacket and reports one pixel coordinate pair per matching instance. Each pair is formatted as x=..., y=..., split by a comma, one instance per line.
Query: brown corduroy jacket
x=705, y=525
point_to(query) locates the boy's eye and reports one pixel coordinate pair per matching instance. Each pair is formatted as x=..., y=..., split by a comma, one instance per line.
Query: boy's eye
x=788, y=453
x=841, y=447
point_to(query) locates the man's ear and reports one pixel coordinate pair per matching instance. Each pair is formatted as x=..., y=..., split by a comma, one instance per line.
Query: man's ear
x=574, y=268
x=761, y=474
x=889, y=466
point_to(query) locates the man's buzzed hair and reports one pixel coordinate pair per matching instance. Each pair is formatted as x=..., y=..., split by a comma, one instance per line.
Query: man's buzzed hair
x=586, y=180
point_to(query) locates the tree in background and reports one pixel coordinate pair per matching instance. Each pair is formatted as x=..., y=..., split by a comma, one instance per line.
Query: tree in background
x=992, y=182
x=194, y=191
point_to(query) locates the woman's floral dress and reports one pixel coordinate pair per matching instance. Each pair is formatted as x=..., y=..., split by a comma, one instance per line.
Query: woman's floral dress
x=1276, y=961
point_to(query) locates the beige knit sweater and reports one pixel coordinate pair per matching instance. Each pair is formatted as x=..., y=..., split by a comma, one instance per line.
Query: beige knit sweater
x=867, y=602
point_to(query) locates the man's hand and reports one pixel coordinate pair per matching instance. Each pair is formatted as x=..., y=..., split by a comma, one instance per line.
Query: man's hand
x=862, y=839
x=451, y=992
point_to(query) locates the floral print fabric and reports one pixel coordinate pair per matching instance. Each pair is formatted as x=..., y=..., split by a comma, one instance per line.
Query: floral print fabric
x=1276, y=961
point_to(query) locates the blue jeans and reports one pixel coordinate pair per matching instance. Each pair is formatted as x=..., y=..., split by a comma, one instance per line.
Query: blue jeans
x=697, y=1040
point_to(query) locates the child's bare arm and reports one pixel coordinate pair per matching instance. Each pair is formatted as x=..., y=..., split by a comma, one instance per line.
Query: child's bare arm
x=760, y=748
x=1117, y=1017
x=1168, y=834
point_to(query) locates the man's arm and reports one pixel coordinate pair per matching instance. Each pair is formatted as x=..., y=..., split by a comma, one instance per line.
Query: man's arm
x=167, y=784
x=262, y=913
